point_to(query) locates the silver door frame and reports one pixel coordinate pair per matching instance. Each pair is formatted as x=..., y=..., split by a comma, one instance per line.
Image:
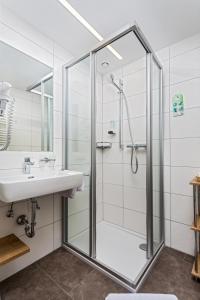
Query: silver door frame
x=149, y=175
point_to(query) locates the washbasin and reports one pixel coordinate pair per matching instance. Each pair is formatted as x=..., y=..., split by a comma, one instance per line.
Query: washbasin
x=16, y=188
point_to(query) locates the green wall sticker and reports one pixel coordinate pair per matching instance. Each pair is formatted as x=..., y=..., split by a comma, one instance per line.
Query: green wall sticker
x=178, y=105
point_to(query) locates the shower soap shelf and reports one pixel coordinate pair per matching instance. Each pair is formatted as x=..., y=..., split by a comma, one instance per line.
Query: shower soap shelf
x=11, y=247
x=103, y=145
x=196, y=227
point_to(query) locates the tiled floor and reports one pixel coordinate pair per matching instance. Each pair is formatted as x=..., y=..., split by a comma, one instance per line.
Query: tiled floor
x=62, y=276
x=172, y=274
x=58, y=276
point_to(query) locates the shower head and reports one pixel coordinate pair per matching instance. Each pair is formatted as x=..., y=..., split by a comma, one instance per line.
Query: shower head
x=119, y=87
x=112, y=77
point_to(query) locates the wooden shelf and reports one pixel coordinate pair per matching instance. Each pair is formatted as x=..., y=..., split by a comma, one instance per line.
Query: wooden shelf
x=195, y=181
x=11, y=247
x=197, y=227
x=194, y=273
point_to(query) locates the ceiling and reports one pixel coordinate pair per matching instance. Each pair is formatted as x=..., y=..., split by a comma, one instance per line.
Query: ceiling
x=163, y=21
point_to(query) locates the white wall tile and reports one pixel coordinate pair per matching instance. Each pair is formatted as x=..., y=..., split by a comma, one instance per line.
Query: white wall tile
x=113, y=155
x=45, y=213
x=135, y=221
x=113, y=194
x=113, y=214
x=185, y=45
x=180, y=179
x=135, y=199
x=112, y=173
x=167, y=152
x=163, y=54
x=138, y=126
x=135, y=180
x=186, y=125
x=135, y=83
x=78, y=152
x=113, y=138
x=182, y=209
x=182, y=238
x=8, y=225
x=57, y=234
x=190, y=91
x=167, y=176
x=99, y=214
x=185, y=66
x=137, y=106
x=57, y=207
x=110, y=111
x=79, y=203
x=168, y=233
x=185, y=152
x=78, y=222
x=79, y=128
x=167, y=205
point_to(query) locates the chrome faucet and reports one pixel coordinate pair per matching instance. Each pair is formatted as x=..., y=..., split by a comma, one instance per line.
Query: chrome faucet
x=27, y=165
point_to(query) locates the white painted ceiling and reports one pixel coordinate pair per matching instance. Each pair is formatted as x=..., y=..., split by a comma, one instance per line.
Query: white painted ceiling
x=163, y=21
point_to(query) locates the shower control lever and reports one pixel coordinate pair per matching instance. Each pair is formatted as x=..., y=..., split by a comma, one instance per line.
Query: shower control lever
x=137, y=146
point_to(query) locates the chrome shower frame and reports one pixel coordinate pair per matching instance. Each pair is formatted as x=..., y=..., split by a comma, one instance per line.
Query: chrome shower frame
x=151, y=253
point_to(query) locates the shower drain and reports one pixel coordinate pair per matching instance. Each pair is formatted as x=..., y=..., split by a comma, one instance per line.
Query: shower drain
x=143, y=247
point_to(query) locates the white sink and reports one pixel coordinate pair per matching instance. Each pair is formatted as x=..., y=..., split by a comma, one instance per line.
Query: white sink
x=15, y=188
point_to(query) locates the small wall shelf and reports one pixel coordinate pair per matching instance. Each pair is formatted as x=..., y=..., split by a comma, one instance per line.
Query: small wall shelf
x=194, y=273
x=11, y=247
x=196, y=227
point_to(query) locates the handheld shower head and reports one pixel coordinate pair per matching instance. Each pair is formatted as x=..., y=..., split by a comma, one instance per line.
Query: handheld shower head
x=112, y=77
x=119, y=87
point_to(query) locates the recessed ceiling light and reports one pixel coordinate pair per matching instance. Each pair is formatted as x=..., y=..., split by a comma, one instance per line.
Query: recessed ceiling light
x=88, y=26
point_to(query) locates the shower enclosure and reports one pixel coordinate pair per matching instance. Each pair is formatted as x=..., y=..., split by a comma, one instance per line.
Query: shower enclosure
x=113, y=130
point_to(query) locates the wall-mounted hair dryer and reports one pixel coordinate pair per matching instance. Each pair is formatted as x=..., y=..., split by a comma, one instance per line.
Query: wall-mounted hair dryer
x=4, y=96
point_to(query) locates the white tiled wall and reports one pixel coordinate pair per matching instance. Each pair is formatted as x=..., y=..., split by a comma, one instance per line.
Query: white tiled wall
x=26, y=134
x=182, y=143
x=181, y=64
x=22, y=36
x=124, y=194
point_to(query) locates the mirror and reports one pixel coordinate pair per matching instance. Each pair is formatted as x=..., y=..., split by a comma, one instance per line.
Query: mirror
x=26, y=102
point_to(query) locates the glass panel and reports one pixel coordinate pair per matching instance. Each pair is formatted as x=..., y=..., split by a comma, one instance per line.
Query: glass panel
x=156, y=144
x=121, y=194
x=47, y=138
x=79, y=151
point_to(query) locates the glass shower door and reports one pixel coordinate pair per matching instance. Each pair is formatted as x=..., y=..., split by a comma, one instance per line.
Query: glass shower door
x=78, y=154
x=157, y=156
x=117, y=221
